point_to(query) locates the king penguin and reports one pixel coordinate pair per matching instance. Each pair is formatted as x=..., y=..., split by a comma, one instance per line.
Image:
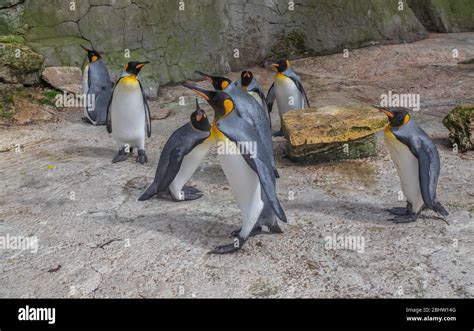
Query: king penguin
x=96, y=84
x=181, y=156
x=128, y=116
x=249, y=109
x=287, y=90
x=250, y=174
x=417, y=161
x=249, y=84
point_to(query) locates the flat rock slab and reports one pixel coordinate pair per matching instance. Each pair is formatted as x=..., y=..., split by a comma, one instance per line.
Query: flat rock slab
x=332, y=133
x=67, y=79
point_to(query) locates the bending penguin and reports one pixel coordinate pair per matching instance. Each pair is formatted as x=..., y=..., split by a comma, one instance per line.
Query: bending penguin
x=96, y=84
x=128, y=116
x=249, y=174
x=249, y=109
x=249, y=83
x=418, y=165
x=181, y=156
x=287, y=90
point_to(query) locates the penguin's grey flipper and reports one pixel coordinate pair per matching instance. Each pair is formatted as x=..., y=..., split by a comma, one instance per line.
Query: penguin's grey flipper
x=405, y=219
x=150, y=192
x=109, y=114
x=147, y=112
x=121, y=156
x=230, y=248
x=271, y=96
x=297, y=80
x=142, y=158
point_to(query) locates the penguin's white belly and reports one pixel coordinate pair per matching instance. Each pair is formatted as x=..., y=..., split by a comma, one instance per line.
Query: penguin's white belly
x=246, y=187
x=190, y=163
x=288, y=96
x=407, y=168
x=128, y=116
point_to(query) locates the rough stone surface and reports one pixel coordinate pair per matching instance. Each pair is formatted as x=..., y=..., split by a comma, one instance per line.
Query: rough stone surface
x=332, y=133
x=445, y=15
x=460, y=123
x=209, y=35
x=11, y=12
x=67, y=79
x=62, y=188
x=19, y=64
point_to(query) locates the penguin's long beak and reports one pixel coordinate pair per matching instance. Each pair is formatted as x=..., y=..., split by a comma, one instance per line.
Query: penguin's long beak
x=209, y=78
x=141, y=64
x=87, y=50
x=384, y=110
x=275, y=65
x=199, y=91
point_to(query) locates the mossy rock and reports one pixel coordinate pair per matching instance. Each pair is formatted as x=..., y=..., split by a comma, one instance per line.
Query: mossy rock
x=19, y=64
x=460, y=123
x=332, y=133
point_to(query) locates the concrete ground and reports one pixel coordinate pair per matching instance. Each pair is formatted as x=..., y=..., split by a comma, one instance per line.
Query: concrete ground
x=96, y=240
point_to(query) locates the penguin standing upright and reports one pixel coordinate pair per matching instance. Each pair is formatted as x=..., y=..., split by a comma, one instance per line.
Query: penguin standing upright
x=418, y=165
x=96, y=84
x=249, y=83
x=128, y=116
x=181, y=156
x=250, y=174
x=287, y=90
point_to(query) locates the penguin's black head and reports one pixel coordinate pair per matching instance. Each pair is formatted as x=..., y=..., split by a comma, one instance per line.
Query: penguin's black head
x=281, y=65
x=92, y=55
x=199, y=119
x=221, y=102
x=219, y=83
x=397, y=116
x=134, y=67
x=246, y=78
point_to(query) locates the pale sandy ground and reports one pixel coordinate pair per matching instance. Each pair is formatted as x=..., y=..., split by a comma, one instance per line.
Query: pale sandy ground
x=110, y=245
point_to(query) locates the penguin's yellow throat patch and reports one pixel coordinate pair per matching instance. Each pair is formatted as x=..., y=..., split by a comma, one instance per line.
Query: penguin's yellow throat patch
x=130, y=80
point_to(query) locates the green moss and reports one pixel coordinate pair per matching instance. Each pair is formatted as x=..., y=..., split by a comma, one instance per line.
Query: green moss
x=458, y=122
x=11, y=39
x=49, y=97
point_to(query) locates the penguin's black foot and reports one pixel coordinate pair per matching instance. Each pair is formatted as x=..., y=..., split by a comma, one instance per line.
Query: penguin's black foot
x=279, y=134
x=272, y=229
x=191, y=193
x=142, y=158
x=120, y=157
x=230, y=248
x=399, y=211
x=405, y=219
x=86, y=120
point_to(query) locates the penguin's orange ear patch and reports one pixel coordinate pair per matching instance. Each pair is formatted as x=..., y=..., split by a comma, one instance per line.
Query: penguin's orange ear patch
x=125, y=67
x=406, y=119
x=228, y=105
x=94, y=58
x=287, y=63
x=224, y=84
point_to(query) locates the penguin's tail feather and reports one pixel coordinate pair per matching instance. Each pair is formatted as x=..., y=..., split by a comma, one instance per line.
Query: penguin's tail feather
x=437, y=207
x=151, y=191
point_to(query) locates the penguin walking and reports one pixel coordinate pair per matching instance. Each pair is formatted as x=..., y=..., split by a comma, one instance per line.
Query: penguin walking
x=417, y=161
x=249, y=173
x=287, y=90
x=249, y=109
x=181, y=156
x=128, y=116
x=96, y=84
x=249, y=83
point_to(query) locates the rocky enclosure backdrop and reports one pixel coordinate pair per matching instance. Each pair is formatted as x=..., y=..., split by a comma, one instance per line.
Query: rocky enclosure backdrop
x=212, y=35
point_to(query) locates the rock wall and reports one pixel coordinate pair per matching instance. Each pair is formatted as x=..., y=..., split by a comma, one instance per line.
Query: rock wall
x=210, y=35
x=445, y=15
